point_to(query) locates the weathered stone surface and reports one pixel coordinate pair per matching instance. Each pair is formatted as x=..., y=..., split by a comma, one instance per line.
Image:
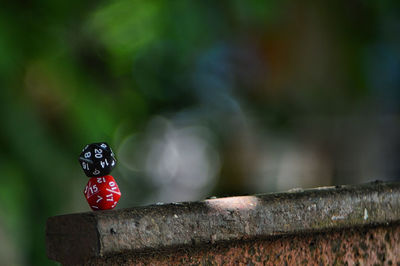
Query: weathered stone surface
x=104, y=235
x=72, y=238
x=356, y=246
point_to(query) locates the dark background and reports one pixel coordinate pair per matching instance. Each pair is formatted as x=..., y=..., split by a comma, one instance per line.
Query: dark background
x=197, y=99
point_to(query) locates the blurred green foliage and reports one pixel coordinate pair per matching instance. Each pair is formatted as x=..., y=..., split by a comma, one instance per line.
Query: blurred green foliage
x=76, y=72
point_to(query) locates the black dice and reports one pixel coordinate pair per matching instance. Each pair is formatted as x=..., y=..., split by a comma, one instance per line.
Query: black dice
x=97, y=159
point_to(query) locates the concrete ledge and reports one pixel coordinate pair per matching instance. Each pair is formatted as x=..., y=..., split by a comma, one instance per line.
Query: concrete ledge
x=354, y=246
x=109, y=236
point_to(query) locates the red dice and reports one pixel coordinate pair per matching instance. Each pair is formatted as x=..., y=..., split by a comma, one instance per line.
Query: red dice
x=102, y=193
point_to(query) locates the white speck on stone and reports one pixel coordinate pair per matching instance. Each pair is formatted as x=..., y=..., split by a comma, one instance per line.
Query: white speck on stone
x=365, y=214
x=337, y=217
x=296, y=189
x=312, y=207
x=175, y=216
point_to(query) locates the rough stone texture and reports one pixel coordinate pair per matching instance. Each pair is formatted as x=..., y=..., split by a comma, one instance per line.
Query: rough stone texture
x=293, y=219
x=361, y=246
x=74, y=235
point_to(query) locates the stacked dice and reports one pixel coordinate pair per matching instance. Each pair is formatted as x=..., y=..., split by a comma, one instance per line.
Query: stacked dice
x=101, y=192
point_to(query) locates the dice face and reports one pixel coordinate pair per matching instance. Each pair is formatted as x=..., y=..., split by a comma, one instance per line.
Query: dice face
x=97, y=159
x=102, y=193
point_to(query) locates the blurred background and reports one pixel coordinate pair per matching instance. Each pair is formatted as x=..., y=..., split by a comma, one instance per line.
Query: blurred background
x=197, y=99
